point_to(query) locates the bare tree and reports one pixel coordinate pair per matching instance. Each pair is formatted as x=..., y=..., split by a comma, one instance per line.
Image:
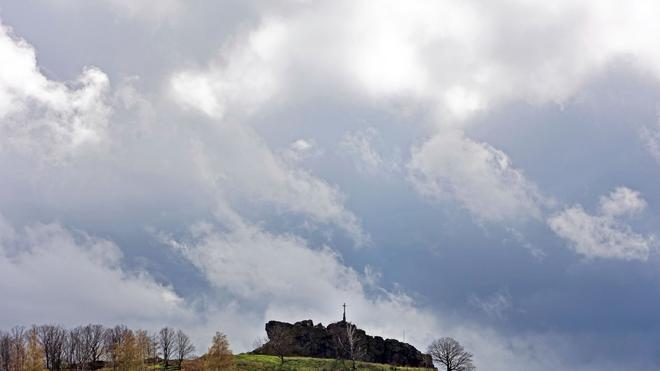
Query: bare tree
x=5, y=351
x=87, y=345
x=348, y=345
x=450, y=353
x=279, y=343
x=355, y=350
x=93, y=335
x=183, y=347
x=51, y=339
x=18, y=351
x=72, y=348
x=259, y=342
x=166, y=344
x=153, y=348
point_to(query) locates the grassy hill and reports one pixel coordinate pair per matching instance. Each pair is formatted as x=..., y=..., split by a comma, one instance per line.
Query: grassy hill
x=260, y=362
x=255, y=362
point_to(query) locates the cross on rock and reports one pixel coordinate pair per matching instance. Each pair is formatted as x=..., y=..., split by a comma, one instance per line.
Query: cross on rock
x=344, y=312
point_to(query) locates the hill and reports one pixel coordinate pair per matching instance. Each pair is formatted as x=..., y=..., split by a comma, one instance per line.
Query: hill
x=304, y=339
x=256, y=362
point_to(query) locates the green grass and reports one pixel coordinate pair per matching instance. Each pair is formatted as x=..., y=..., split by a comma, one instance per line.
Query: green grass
x=260, y=362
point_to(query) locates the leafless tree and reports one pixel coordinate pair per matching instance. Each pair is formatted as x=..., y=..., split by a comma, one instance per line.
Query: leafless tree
x=278, y=342
x=348, y=345
x=5, y=351
x=72, y=348
x=18, y=347
x=450, y=353
x=153, y=348
x=355, y=350
x=166, y=343
x=93, y=342
x=183, y=347
x=81, y=338
x=84, y=346
x=52, y=339
x=259, y=342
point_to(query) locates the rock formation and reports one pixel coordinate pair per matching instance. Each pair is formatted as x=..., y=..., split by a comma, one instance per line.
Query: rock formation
x=308, y=340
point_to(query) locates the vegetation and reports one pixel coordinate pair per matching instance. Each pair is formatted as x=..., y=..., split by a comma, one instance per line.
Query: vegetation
x=262, y=362
x=219, y=356
x=450, y=354
x=93, y=347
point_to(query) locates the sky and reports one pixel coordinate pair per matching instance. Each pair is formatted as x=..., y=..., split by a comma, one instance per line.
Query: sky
x=481, y=170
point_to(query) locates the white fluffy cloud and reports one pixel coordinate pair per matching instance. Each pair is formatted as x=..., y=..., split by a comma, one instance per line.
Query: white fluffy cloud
x=605, y=235
x=454, y=57
x=245, y=168
x=480, y=177
x=39, y=115
x=48, y=273
x=47, y=120
x=244, y=77
x=42, y=266
x=292, y=280
x=459, y=56
x=286, y=279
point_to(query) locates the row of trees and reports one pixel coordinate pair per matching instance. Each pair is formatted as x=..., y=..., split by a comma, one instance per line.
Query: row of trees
x=91, y=347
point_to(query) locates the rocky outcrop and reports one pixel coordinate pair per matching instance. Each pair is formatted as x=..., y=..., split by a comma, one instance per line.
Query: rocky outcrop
x=308, y=340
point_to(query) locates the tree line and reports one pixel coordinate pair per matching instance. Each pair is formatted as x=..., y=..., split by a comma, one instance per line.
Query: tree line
x=94, y=346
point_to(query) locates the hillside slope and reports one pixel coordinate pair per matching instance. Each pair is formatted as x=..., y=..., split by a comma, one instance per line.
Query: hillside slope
x=252, y=362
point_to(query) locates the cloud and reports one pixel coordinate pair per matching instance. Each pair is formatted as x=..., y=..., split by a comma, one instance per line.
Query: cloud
x=300, y=150
x=457, y=57
x=290, y=280
x=359, y=146
x=452, y=58
x=264, y=276
x=266, y=178
x=45, y=117
x=495, y=305
x=282, y=277
x=605, y=235
x=650, y=138
x=481, y=178
x=428, y=63
x=150, y=11
x=239, y=81
x=622, y=201
x=48, y=273
x=88, y=126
